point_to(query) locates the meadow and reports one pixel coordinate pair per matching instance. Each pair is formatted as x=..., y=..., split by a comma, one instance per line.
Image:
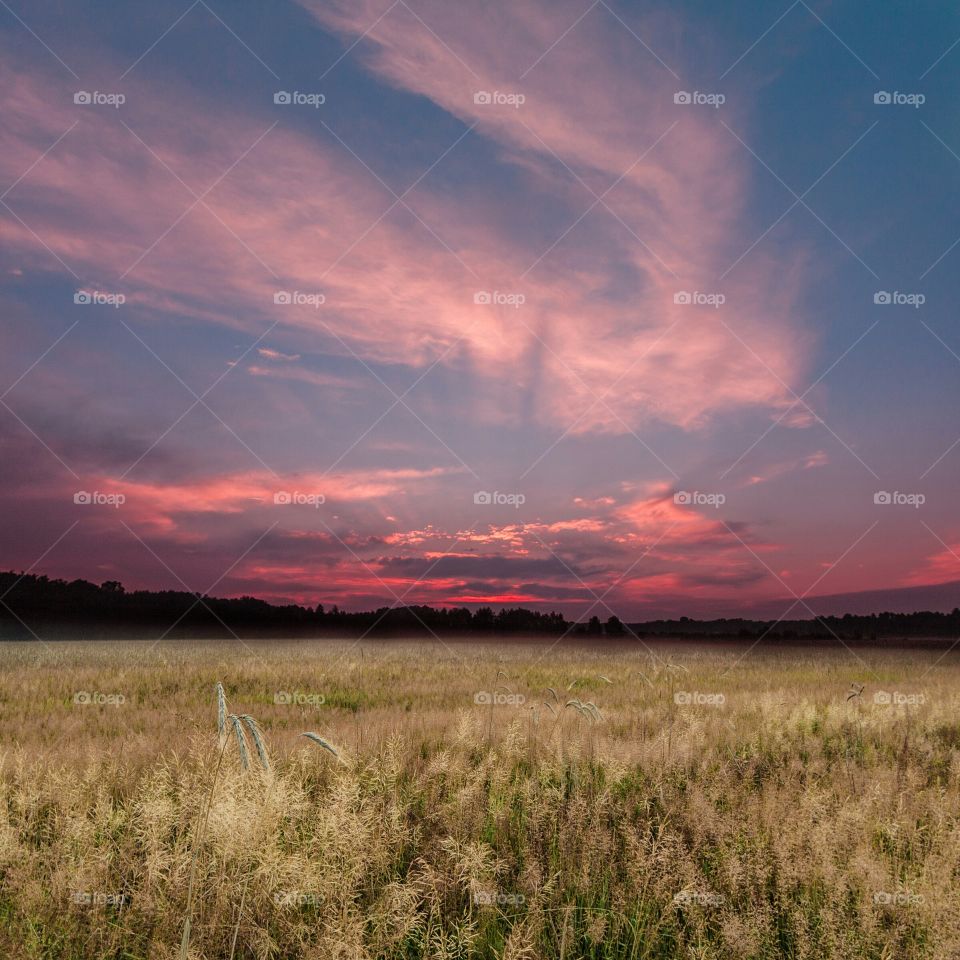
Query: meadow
x=481, y=800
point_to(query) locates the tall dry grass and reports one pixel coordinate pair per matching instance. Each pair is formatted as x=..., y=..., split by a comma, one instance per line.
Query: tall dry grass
x=484, y=801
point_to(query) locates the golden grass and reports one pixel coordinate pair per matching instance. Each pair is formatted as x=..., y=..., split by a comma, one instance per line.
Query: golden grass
x=688, y=805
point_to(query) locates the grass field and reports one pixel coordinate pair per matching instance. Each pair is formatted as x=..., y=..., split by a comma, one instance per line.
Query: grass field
x=485, y=800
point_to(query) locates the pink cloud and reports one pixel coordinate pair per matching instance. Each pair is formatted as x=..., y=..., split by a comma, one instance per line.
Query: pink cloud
x=599, y=344
x=683, y=201
x=942, y=566
x=399, y=295
x=269, y=354
x=773, y=470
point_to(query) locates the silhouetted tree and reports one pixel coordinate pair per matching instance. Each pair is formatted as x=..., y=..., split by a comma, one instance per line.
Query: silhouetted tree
x=483, y=619
x=81, y=608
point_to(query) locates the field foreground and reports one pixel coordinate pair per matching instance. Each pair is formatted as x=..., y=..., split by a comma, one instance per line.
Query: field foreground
x=510, y=800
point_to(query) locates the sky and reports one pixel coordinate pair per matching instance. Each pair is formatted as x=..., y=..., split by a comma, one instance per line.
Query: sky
x=646, y=309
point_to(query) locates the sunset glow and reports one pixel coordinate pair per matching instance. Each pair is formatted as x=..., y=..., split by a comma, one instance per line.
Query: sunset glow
x=496, y=317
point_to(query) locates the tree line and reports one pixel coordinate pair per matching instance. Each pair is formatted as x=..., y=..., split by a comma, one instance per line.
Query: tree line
x=32, y=605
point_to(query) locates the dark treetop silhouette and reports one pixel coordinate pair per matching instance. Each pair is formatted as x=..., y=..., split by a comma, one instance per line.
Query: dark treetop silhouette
x=32, y=606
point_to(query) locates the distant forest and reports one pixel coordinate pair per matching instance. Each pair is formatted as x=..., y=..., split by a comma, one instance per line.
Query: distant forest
x=36, y=606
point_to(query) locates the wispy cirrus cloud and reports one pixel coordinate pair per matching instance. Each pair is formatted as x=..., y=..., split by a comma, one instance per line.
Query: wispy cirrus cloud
x=524, y=316
x=653, y=196
x=302, y=212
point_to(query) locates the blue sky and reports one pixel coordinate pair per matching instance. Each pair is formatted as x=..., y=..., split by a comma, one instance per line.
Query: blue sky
x=656, y=457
